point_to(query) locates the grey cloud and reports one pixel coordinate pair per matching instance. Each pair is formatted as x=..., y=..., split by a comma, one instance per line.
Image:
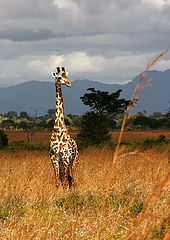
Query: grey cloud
x=26, y=34
x=101, y=28
x=27, y=9
x=92, y=18
x=113, y=17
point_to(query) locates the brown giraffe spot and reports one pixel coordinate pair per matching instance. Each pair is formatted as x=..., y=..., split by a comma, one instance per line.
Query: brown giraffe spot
x=64, y=139
x=60, y=124
x=60, y=110
x=61, y=145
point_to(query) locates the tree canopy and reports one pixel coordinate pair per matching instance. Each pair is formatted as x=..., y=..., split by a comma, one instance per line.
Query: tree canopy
x=103, y=102
x=23, y=114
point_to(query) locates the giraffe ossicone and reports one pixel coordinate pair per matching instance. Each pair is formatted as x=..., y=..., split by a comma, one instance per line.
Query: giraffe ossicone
x=63, y=149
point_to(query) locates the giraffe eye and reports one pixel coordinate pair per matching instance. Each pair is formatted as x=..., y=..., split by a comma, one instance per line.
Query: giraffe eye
x=59, y=78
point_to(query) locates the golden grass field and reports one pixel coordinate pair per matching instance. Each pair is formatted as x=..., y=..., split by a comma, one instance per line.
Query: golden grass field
x=135, y=206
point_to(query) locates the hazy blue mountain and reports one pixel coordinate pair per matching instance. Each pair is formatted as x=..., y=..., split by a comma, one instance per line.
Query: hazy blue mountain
x=40, y=96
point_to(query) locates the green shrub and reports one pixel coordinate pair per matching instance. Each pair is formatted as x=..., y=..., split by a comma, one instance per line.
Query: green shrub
x=160, y=142
x=21, y=145
x=135, y=208
x=3, y=139
x=158, y=233
x=93, y=129
x=12, y=205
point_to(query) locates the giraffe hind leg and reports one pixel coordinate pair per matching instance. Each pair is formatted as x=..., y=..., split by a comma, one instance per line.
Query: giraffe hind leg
x=74, y=172
x=61, y=170
x=70, y=176
x=70, y=181
x=67, y=178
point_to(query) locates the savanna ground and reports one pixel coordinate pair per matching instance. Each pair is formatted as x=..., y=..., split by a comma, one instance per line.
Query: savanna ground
x=134, y=207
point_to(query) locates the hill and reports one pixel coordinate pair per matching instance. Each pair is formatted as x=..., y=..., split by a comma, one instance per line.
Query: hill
x=40, y=96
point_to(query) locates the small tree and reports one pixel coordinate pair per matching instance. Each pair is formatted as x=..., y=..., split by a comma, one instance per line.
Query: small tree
x=51, y=113
x=32, y=127
x=141, y=121
x=3, y=139
x=104, y=107
x=23, y=115
x=23, y=125
x=76, y=122
x=7, y=124
x=157, y=114
x=11, y=114
x=50, y=124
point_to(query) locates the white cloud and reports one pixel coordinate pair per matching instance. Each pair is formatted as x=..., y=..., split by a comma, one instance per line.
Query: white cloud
x=65, y=4
x=156, y=3
x=44, y=65
x=162, y=65
x=80, y=65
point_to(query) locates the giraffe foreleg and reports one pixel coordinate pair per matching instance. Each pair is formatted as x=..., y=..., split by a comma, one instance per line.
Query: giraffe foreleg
x=56, y=167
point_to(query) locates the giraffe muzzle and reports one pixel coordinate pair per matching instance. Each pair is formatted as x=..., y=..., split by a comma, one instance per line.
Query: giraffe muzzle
x=69, y=85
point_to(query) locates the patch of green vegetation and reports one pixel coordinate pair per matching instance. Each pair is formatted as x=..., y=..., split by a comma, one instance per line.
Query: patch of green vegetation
x=158, y=233
x=82, y=145
x=77, y=202
x=159, y=143
x=73, y=202
x=12, y=205
x=21, y=145
x=135, y=207
x=3, y=139
x=132, y=146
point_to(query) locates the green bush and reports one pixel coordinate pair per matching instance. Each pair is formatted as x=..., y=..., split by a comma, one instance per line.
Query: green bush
x=21, y=145
x=158, y=233
x=93, y=129
x=135, y=208
x=154, y=143
x=3, y=139
x=11, y=205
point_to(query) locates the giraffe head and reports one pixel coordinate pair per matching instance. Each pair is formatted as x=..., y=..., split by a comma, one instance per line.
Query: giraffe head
x=61, y=77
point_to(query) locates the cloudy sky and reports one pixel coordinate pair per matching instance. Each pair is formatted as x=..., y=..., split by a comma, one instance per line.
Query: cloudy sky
x=105, y=40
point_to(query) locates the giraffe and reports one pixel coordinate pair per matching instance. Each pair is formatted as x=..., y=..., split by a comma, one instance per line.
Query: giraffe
x=63, y=149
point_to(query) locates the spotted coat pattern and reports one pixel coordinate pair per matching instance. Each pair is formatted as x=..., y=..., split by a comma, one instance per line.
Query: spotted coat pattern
x=63, y=149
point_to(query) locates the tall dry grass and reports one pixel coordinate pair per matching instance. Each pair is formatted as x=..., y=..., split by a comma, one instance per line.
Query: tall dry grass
x=32, y=208
x=142, y=83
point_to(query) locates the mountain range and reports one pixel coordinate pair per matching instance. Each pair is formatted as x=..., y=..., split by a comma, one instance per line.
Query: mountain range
x=37, y=96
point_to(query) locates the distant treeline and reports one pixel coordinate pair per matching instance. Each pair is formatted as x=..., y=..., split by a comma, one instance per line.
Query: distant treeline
x=140, y=120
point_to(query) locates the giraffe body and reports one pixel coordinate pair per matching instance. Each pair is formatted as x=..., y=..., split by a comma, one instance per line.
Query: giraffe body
x=63, y=149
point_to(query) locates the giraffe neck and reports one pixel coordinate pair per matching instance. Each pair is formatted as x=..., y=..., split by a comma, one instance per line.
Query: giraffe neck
x=59, y=124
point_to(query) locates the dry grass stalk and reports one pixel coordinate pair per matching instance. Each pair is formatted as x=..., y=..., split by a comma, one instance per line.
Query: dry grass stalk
x=137, y=89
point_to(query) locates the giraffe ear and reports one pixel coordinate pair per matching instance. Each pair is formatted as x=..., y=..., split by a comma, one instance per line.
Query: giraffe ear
x=58, y=69
x=63, y=69
x=53, y=74
x=66, y=73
